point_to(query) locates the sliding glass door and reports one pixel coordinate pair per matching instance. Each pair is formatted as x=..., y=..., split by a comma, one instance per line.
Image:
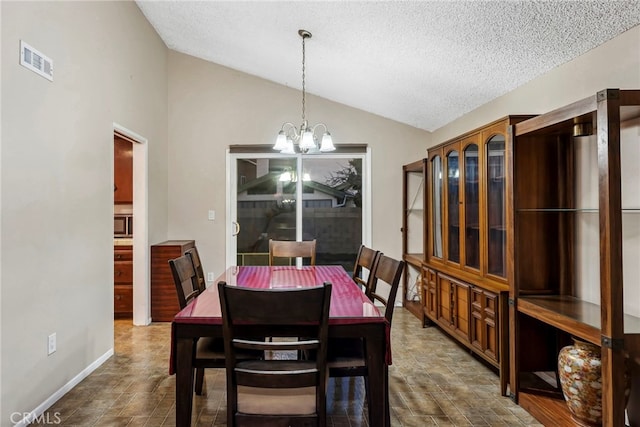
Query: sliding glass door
x=300, y=197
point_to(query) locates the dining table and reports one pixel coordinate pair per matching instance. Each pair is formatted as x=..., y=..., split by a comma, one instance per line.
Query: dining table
x=351, y=315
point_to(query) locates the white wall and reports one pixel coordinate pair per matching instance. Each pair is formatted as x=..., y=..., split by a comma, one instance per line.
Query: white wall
x=57, y=185
x=615, y=64
x=212, y=107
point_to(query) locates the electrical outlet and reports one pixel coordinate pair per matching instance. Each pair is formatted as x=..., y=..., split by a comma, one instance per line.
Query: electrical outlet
x=212, y=215
x=210, y=277
x=51, y=344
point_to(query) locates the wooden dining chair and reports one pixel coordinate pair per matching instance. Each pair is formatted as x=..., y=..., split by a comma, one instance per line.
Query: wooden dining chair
x=192, y=253
x=346, y=356
x=292, y=249
x=275, y=392
x=209, y=351
x=365, y=261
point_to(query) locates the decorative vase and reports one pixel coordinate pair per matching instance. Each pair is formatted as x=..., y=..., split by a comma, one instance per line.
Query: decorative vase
x=579, y=369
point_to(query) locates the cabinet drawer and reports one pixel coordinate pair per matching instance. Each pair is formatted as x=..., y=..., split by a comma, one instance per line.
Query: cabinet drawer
x=122, y=299
x=123, y=272
x=123, y=254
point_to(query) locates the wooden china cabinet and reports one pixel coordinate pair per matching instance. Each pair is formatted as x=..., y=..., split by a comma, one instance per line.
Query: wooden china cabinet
x=574, y=254
x=413, y=233
x=465, y=287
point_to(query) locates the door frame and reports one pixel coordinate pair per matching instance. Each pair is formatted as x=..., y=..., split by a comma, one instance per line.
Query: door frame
x=232, y=185
x=141, y=284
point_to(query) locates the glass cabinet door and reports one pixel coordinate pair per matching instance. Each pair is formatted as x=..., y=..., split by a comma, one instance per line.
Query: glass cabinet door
x=497, y=236
x=436, y=214
x=453, y=204
x=471, y=207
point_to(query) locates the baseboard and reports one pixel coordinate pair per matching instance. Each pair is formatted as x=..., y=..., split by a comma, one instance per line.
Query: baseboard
x=38, y=414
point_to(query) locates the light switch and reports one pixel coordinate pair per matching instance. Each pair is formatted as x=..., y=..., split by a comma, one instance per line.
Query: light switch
x=212, y=215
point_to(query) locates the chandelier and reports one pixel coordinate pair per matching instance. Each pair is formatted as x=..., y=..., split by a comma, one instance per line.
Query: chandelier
x=305, y=136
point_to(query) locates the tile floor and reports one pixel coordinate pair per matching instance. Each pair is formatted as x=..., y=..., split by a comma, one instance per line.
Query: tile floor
x=433, y=381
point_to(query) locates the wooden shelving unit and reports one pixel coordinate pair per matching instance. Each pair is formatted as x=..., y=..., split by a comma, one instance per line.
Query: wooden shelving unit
x=413, y=232
x=566, y=270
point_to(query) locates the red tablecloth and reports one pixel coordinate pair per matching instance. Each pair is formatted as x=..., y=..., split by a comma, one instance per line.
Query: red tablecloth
x=348, y=303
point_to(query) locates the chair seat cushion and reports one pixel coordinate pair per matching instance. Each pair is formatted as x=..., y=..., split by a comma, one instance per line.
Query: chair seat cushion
x=345, y=353
x=277, y=401
x=210, y=348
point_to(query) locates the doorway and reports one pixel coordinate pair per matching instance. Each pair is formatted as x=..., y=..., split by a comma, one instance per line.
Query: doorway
x=141, y=306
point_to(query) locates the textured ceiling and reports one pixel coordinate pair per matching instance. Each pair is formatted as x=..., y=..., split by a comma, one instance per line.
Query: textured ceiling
x=423, y=63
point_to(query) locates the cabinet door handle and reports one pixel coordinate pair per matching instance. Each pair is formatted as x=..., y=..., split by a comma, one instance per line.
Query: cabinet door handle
x=118, y=256
x=118, y=273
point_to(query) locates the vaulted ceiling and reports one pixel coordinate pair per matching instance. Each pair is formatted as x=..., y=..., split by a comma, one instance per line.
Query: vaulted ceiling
x=423, y=63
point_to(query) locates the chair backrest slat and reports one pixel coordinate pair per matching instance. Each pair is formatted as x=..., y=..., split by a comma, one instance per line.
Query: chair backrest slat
x=193, y=255
x=389, y=271
x=185, y=280
x=292, y=249
x=365, y=260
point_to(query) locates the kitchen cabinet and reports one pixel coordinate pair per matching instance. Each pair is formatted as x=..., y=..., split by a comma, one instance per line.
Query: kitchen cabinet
x=413, y=234
x=122, y=171
x=466, y=246
x=122, y=281
x=164, y=297
x=574, y=267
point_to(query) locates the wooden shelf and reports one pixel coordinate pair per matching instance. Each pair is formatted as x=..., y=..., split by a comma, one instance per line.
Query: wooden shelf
x=550, y=411
x=572, y=315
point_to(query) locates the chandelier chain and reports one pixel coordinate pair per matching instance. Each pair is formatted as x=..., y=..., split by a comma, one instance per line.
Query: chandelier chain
x=303, y=79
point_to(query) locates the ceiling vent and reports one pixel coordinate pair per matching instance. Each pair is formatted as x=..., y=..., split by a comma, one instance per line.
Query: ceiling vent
x=36, y=61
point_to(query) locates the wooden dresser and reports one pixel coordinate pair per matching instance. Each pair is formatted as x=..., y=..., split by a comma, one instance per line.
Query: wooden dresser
x=164, y=299
x=122, y=281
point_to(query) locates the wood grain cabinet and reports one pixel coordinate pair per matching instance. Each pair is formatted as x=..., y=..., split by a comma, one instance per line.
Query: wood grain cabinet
x=484, y=322
x=454, y=305
x=122, y=171
x=430, y=292
x=466, y=243
x=122, y=281
x=164, y=299
x=573, y=267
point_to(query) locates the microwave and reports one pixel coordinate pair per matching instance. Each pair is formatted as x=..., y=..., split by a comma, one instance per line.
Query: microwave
x=123, y=225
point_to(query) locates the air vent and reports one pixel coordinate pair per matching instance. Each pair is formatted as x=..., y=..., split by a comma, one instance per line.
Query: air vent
x=36, y=61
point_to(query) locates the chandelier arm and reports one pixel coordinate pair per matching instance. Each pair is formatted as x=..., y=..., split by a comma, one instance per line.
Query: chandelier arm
x=291, y=131
x=313, y=128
